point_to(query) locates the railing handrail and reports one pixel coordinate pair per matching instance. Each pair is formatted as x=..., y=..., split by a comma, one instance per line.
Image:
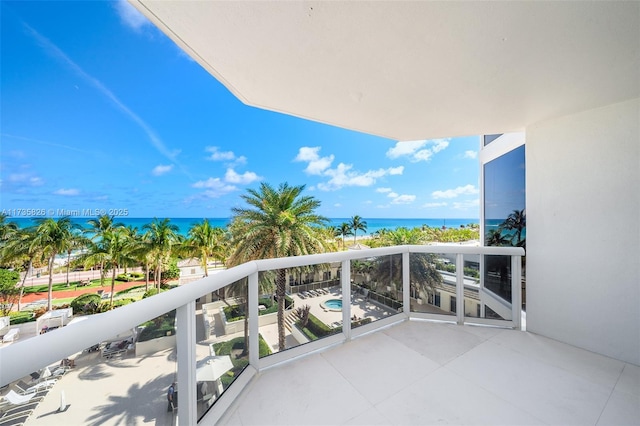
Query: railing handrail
x=23, y=357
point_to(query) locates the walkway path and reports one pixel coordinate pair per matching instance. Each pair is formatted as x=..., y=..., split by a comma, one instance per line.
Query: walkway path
x=75, y=292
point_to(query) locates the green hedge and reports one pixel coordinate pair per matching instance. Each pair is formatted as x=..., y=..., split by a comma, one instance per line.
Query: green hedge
x=86, y=303
x=159, y=327
x=21, y=317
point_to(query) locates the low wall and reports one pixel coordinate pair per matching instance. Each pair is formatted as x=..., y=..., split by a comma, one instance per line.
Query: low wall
x=238, y=326
x=299, y=335
x=154, y=345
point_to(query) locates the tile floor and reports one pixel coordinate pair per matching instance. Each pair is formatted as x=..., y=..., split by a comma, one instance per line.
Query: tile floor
x=420, y=373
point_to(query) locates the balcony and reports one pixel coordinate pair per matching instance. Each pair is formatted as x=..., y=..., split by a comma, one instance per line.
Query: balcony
x=394, y=368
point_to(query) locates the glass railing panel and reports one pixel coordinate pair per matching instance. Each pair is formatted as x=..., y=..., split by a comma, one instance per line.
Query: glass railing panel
x=473, y=299
x=492, y=299
x=376, y=288
x=433, y=283
x=312, y=296
x=121, y=380
x=222, y=347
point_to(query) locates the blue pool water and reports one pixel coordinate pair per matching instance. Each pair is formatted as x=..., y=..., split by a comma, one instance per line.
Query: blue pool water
x=333, y=304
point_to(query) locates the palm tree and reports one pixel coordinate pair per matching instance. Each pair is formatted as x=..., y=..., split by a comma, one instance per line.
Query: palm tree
x=205, y=242
x=357, y=224
x=76, y=241
x=98, y=228
x=495, y=238
x=162, y=237
x=52, y=237
x=7, y=229
x=278, y=223
x=117, y=249
x=345, y=230
x=517, y=221
x=20, y=252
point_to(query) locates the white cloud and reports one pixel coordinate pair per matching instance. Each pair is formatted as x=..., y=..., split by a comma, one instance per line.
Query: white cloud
x=453, y=193
x=247, y=177
x=317, y=165
x=432, y=205
x=343, y=176
x=383, y=190
x=25, y=178
x=214, y=187
x=68, y=192
x=217, y=155
x=465, y=205
x=421, y=150
x=161, y=169
x=404, y=199
x=337, y=205
x=130, y=15
x=392, y=194
x=471, y=154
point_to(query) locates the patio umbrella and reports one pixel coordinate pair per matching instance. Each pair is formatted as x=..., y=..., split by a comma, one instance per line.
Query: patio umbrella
x=213, y=367
x=358, y=246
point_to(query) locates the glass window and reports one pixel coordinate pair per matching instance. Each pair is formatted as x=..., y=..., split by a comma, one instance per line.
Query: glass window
x=490, y=138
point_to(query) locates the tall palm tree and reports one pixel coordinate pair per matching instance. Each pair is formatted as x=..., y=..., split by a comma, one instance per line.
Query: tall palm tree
x=52, y=237
x=131, y=236
x=7, y=229
x=495, y=238
x=20, y=253
x=206, y=241
x=516, y=221
x=345, y=230
x=163, y=236
x=117, y=249
x=277, y=223
x=357, y=224
x=76, y=241
x=98, y=228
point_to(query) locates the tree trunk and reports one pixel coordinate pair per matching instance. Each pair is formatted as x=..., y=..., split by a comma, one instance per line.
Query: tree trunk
x=159, y=274
x=146, y=283
x=113, y=287
x=50, y=294
x=24, y=281
x=68, y=265
x=280, y=294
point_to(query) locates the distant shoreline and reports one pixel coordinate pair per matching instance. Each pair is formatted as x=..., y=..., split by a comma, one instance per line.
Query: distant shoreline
x=184, y=224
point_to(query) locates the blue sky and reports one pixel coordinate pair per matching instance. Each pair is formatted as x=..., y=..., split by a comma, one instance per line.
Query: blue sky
x=101, y=111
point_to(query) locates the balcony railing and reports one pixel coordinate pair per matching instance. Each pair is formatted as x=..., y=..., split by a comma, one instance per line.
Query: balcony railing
x=362, y=300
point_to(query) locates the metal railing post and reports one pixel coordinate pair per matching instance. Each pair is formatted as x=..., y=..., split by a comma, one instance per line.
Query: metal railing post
x=345, y=280
x=460, y=288
x=186, y=348
x=516, y=292
x=406, y=283
x=254, y=345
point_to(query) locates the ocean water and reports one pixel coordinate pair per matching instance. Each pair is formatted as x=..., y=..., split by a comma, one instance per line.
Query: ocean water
x=184, y=224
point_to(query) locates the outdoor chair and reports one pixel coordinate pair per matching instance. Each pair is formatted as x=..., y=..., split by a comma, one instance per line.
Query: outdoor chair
x=15, y=398
x=24, y=388
x=20, y=410
x=14, y=421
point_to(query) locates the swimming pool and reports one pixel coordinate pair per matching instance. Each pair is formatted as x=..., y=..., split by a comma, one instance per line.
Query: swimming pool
x=332, y=304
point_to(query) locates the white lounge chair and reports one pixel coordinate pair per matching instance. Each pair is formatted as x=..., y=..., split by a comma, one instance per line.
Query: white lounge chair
x=15, y=398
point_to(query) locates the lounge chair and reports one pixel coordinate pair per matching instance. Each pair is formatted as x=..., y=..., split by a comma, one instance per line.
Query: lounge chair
x=24, y=388
x=15, y=398
x=14, y=421
x=19, y=410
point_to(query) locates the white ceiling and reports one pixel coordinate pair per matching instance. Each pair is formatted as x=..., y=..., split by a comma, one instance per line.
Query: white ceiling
x=413, y=70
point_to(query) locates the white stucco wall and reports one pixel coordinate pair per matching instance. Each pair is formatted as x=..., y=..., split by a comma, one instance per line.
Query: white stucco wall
x=583, y=230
